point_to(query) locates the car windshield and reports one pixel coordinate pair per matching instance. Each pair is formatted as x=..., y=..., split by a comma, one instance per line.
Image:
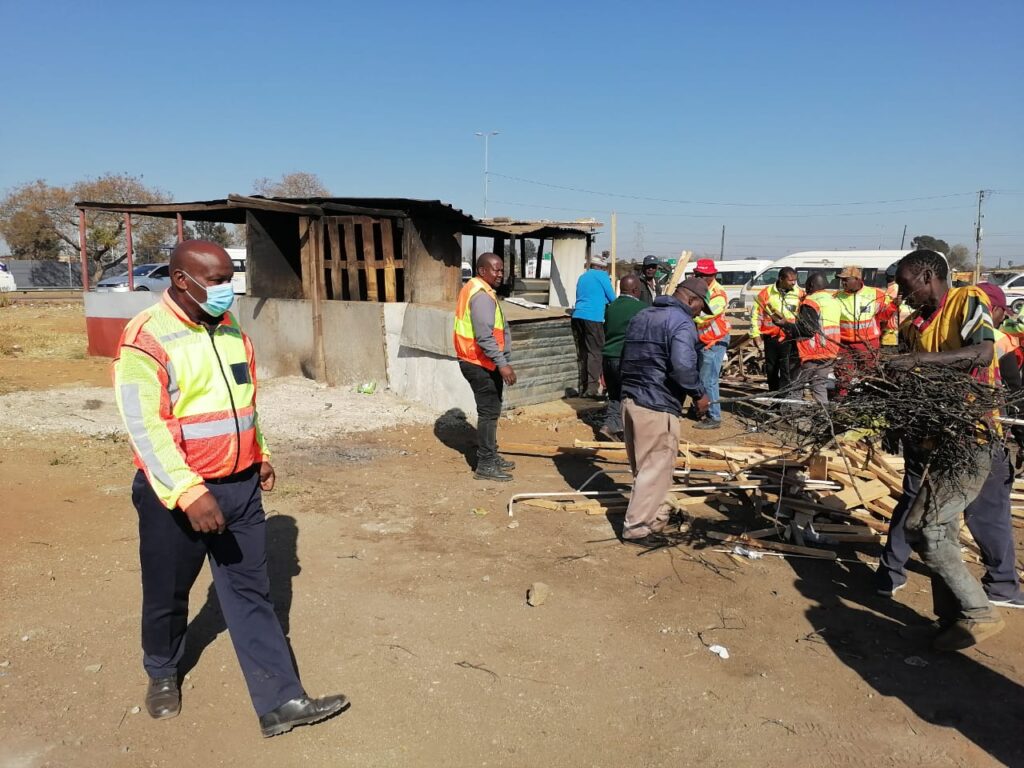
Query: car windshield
x=142, y=270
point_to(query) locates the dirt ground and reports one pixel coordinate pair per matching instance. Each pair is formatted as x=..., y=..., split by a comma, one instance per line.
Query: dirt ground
x=396, y=590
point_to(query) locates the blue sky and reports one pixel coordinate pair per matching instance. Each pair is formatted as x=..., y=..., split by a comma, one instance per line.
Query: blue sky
x=781, y=104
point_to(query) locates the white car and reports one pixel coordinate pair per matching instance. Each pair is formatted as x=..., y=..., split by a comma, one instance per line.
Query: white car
x=6, y=279
x=147, y=277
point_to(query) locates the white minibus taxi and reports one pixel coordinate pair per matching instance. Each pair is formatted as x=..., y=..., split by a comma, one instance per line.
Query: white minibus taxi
x=872, y=263
x=733, y=275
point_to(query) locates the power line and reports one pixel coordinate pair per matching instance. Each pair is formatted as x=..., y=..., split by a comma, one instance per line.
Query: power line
x=738, y=205
x=741, y=216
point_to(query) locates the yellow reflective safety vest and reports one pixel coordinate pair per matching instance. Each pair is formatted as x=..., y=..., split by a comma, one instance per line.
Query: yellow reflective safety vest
x=858, y=322
x=824, y=344
x=188, y=399
x=714, y=327
x=771, y=300
x=466, y=347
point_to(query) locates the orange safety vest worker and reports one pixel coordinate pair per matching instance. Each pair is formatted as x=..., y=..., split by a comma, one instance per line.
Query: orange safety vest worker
x=771, y=300
x=714, y=328
x=466, y=346
x=188, y=398
x=824, y=344
x=858, y=322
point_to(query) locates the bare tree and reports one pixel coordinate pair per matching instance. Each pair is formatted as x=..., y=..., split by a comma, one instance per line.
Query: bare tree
x=296, y=184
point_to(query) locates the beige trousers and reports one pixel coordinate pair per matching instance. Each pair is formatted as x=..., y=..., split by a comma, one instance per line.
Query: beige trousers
x=652, y=444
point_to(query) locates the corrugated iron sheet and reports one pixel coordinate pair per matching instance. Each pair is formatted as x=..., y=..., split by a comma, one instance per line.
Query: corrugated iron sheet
x=544, y=358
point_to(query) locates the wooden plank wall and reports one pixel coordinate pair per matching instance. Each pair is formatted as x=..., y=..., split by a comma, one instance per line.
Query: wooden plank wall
x=360, y=261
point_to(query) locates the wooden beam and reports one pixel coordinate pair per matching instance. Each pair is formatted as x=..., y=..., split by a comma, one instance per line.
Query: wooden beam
x=370, y=257
x=336, y=269
x=388, y=248
x=677, y=273
x=540, y=259
x=316, y=237
x=355, y=292
x=305, y=257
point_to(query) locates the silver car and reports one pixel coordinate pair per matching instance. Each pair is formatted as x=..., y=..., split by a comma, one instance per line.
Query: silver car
x=148, y=277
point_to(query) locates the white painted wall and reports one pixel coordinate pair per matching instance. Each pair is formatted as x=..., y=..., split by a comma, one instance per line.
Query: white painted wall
x=568, y=261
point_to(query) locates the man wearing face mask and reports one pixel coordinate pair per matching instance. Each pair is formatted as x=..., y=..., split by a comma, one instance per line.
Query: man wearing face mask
x=185, y=381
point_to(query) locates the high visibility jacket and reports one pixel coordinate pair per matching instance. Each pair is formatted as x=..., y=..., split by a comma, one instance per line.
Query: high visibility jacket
x=769, y=300
x=188, y=399
x=1006, y=342
x=891, y=327
x=858, y=322
x=824, y=344
x=714, y=327
x=466, y=346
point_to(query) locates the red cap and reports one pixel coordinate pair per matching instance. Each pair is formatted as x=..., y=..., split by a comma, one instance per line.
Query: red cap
x=996, y=297
x=705, y=267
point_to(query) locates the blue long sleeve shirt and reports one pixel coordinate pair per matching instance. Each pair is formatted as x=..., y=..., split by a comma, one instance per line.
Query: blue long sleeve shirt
x=661, y=357
x=593, y=292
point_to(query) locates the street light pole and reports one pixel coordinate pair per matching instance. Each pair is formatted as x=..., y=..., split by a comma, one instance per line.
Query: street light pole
x=487, y=178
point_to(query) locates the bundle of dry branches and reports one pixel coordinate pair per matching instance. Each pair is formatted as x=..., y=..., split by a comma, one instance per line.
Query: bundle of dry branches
x=933, y=406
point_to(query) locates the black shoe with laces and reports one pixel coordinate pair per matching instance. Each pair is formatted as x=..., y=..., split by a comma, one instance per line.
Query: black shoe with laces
x=505, y=463
x=491, y=471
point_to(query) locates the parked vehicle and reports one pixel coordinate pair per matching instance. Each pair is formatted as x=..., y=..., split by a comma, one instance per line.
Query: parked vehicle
x=147, y=277
x=733, y=275
x=6, y=279
x=872, y=263
x=238, y=260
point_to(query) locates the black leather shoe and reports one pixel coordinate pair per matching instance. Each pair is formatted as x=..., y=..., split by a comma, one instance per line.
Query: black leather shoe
x=491, y=471
x=650, y=541
x=163, y=697
x=505, y=463
x=301, y=711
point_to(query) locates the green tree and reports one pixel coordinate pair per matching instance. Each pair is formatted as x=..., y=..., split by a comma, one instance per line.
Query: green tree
x=40, y=219
x=295, y=184
x=960, y=258
x=927, y=242
x=214, y=231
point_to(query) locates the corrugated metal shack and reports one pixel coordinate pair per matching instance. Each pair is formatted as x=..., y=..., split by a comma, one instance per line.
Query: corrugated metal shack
x=345, y=289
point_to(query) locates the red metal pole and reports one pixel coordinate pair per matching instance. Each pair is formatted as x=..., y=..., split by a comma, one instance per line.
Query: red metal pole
x=131, y=253
x=82, y=251
x=181, y=228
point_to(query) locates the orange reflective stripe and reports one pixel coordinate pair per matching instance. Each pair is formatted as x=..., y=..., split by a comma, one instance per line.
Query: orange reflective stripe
x=714, y=328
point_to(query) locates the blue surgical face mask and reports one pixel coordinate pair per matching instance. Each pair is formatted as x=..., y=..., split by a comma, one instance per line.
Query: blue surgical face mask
x=219, y=298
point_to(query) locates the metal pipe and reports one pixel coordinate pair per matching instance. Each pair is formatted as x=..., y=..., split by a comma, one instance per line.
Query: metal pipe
x=83, y=251
x=130, y=251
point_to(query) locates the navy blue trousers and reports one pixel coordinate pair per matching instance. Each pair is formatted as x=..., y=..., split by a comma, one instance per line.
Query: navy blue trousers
x=172, y=554
x=987, y=518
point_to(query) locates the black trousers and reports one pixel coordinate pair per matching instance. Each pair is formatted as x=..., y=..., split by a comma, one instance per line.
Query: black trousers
x=488, y=387
x=779, y=362
x=589, y=343
x=613, y=385
x=172, y=554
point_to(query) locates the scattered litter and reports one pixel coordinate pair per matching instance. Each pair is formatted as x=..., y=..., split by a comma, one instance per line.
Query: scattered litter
x=719, y=650
x=538, y=593
x=480, y=511
x=915, y=661
x=93, y=668
x=367, y=388
x=748, y=553
x=136, y=710
x=513, y=525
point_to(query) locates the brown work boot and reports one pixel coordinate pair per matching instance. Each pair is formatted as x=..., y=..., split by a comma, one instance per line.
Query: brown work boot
x=965, y=633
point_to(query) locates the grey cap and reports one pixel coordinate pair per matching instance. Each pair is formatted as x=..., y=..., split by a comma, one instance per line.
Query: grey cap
x=699, y=287
x=650, y=261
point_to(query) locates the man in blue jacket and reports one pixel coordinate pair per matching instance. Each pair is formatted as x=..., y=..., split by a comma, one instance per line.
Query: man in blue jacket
x=660, y=368
x=593, y=292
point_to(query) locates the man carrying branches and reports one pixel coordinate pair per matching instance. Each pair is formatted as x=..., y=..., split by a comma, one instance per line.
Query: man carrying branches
x=951, y=328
